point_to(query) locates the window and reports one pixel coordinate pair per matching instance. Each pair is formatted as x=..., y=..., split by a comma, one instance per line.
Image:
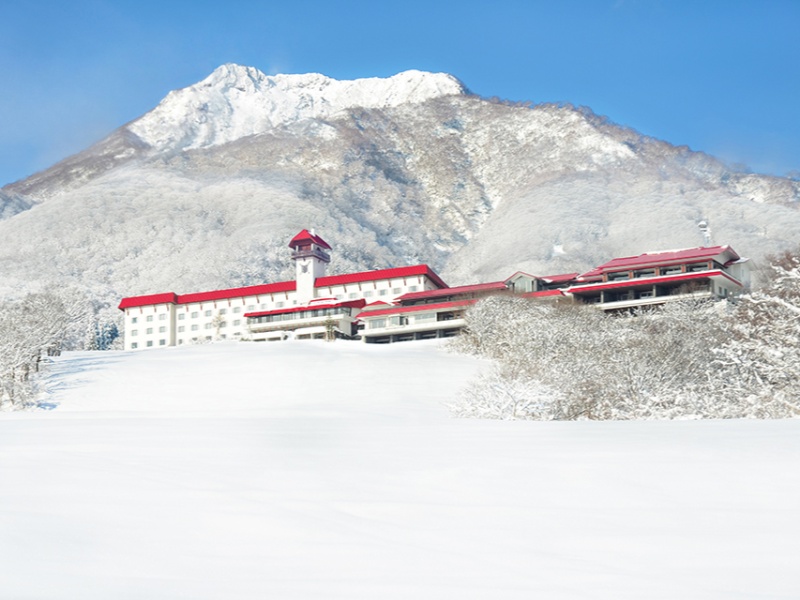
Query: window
x=424, y=317
x=251, y=308
x=383, y=292
x=134, y=346
x=181, y=328
x=279, y=305
x=237, y=322
x=368, y=294
x=135, y=320
x=223, y=324
x=150, y=344
x=195, y=315
x=223, y=311
x=162, y=317
x=181, y=316
x=149, y=330
x=135, y=332
x=412, y=288
x=377, y=324
x=209, y=325
x=195, y=327
x=208, y=313
x=352, y=295
x=399, y=320
x=396, y=291
x=162, y=329
x=162, y=342
x=149, y=318
x=237, y=309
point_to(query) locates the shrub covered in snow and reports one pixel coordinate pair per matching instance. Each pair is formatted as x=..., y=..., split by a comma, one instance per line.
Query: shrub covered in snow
x=694, y=359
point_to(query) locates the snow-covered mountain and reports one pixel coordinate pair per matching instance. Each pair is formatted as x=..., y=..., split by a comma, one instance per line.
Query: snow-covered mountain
x=235, y=102
x=206, y=189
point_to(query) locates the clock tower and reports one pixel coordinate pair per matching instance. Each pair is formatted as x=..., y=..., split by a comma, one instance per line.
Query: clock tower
x=309, y=253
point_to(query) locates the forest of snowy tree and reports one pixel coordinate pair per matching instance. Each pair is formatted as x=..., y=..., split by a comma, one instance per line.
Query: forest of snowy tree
x=40, y=325
x=693, y=359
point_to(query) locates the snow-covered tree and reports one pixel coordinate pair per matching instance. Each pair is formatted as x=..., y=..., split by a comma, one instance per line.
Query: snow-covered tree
x=760, y=362
x=691, y=359
x=37, y=326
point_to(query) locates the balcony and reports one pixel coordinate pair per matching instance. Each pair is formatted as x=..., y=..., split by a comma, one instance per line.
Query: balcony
x=310, y=252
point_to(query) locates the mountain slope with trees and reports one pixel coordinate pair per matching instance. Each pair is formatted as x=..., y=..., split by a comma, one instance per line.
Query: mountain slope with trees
x=204, y=191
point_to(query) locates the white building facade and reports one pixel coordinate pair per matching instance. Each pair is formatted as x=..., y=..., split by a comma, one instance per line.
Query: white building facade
x=411, y=303
x=302, y=308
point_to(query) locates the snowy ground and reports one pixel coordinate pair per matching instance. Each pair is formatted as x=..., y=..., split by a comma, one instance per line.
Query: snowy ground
x=313, y=470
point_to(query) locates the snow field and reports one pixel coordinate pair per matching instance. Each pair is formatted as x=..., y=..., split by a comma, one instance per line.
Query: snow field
x=314, y=470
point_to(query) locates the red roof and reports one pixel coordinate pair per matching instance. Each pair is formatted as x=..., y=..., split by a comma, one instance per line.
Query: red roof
x=455, y=291
x=279, y=287
x=543, y=294
x=395, y=273
x=562, y=278
x=648, y=281
x=307, y=236
x=316, y=306
x=134, y=301
x=722, y=254
x=253, y=290
x=401, y=310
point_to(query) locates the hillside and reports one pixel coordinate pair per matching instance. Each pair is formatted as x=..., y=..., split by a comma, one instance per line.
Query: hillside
x=205, y=190
x=220, y=472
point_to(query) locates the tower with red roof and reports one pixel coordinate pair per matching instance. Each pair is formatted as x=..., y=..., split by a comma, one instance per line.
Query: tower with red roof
x=310, y=256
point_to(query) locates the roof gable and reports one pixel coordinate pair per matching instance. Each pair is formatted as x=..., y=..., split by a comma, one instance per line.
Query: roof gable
x=307, y=236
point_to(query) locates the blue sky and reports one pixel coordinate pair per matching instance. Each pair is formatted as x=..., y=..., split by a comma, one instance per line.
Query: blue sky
x=721, y=77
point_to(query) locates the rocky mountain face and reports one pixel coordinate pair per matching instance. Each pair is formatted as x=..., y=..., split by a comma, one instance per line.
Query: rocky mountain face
x=205, y=190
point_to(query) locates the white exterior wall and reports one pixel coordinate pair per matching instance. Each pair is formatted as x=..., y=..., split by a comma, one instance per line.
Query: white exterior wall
x=150, y=326
x=384, y=290
x=195, y=322
x=412, y=322
x=199, y=318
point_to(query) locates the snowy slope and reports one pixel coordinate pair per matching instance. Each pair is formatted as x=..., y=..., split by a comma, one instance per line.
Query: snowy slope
x=223, y=472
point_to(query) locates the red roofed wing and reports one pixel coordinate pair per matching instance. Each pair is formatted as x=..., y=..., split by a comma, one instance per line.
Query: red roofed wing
x=395, y=273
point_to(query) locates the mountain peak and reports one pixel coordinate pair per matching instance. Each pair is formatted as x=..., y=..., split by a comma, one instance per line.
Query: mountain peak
x=233, y=75
x=236, y=101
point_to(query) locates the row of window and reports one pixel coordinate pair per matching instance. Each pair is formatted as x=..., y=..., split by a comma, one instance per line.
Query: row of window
x=149, y=331
x=149, y=318
x=181, y=328
x=181, y=341
x=303, y=314
x=400, y=320
x=149, y=344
